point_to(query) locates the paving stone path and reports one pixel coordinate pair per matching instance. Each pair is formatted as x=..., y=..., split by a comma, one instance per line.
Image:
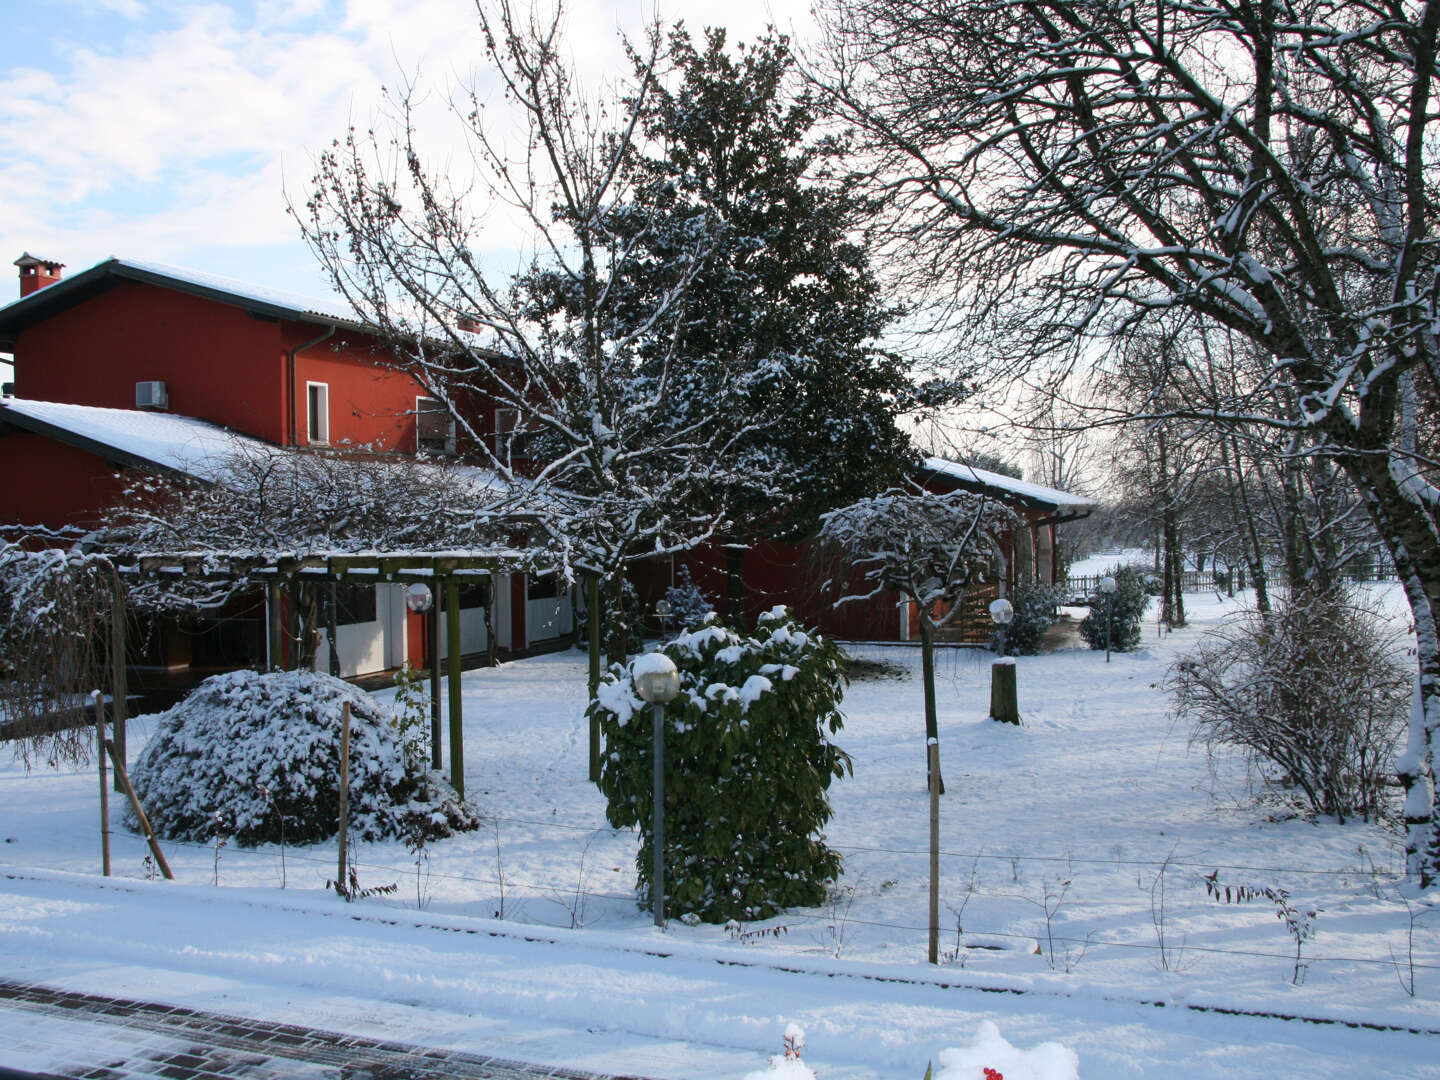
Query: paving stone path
x=167, y=1042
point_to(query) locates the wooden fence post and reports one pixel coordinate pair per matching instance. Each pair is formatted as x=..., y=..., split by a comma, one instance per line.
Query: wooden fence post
x=122, y=780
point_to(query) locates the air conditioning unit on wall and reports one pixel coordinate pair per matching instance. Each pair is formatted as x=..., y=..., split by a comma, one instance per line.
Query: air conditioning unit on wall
x=151, y=395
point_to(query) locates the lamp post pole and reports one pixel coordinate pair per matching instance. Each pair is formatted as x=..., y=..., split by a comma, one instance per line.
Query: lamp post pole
x=1004, y=701
x=419, y=599
x=1107, y=590
x=657, y=681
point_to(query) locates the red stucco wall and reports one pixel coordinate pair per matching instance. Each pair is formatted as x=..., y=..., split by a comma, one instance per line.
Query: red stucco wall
x=217, y=362
x=43, y=482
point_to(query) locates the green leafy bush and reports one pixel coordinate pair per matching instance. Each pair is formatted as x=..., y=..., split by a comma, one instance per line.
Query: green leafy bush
x=748, y=766
x=1036, y=608
x=1128, y=608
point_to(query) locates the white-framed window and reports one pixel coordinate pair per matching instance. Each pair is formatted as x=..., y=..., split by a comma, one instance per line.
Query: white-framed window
x=434, y=427
x=317, y=413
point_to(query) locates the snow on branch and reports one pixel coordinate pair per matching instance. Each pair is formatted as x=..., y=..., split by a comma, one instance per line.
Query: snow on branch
x=925, y=546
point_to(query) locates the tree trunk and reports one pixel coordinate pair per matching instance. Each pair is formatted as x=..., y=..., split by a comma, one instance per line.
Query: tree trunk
x=617, y=638
x=1409, y=533
x=932, y=726
x=1253, y=551
x=735, y=584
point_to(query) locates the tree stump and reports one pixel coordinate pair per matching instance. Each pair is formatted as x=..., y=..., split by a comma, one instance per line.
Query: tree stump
x=1003, y=704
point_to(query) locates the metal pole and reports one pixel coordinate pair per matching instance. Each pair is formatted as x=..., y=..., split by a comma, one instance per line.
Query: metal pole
x=933, y=953
x=1109, y=603
x=657, y=839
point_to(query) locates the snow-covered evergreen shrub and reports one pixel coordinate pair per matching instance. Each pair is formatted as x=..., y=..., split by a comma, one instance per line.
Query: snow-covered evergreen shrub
x=263, y=750
x=748, y=765
x=689, y=606
x=1316, y=695
x=1128, y=603
x=1036, y=608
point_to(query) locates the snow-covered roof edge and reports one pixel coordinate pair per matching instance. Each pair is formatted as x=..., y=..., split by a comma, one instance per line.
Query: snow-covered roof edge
x=161, y=442
x=1032, y=494
x=215, y=286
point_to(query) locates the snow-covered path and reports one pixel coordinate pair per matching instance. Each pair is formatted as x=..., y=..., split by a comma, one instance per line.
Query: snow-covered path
x=594, y=1000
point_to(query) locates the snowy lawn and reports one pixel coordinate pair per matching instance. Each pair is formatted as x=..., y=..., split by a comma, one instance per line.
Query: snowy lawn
x=1074, y=847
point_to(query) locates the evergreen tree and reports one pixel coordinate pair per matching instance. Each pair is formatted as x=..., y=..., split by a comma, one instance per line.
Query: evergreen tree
x=785, y=304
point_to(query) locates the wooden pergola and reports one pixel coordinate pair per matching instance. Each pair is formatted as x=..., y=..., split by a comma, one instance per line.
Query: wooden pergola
x=444, y=572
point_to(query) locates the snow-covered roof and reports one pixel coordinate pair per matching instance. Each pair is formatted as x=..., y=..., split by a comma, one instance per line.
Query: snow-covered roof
x=1031, y=494
x=152, y=440
x=259, y=298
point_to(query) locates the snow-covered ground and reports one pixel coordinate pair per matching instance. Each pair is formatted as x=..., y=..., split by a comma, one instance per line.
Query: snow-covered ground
x=1073, y=849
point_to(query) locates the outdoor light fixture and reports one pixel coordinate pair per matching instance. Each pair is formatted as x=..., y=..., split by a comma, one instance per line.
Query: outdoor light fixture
x=418, y=598
x=1107, y=589
x=1002, y=612
x=657, y=681
x=662, y=612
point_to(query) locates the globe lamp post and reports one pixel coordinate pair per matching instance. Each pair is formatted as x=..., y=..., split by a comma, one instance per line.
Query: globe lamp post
x=657, y=682
x=1107, y=589
x=419, y=599
x=1004, y=700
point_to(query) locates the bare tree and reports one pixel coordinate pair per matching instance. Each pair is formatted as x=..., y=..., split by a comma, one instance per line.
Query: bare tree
x=562, y=375
x=1073, y=169
x=929, y=548
x=54, y=606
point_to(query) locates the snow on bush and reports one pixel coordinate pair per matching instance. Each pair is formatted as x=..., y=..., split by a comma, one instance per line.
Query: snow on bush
x=748, y=765
x=257, y=757
x=689, y=606
x=1035, y=611
x=990, y=1057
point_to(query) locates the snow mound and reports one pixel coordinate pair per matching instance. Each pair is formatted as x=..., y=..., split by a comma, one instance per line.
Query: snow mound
x=990, y=1055
x=256, y=757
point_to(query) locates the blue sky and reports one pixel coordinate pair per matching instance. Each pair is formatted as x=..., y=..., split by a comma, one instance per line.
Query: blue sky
x=171, y=130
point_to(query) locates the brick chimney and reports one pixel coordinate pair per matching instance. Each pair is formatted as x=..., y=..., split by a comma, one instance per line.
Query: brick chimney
x=35, y=273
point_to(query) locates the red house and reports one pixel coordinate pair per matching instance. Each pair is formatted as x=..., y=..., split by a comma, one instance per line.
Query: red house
x=775, y=573
x=135, y=365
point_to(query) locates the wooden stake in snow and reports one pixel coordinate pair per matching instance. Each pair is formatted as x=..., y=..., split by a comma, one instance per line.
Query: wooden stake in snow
x=344, y=815
x=934, y=951
x=99, y=701
x=122, y=781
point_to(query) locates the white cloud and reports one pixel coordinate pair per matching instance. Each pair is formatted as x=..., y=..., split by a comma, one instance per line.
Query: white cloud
x=172, y=137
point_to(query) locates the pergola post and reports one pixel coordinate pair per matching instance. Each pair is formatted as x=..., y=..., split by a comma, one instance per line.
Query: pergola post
x=119, y=711
x=275, y=655
x=452, y=668
x=432, y=643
